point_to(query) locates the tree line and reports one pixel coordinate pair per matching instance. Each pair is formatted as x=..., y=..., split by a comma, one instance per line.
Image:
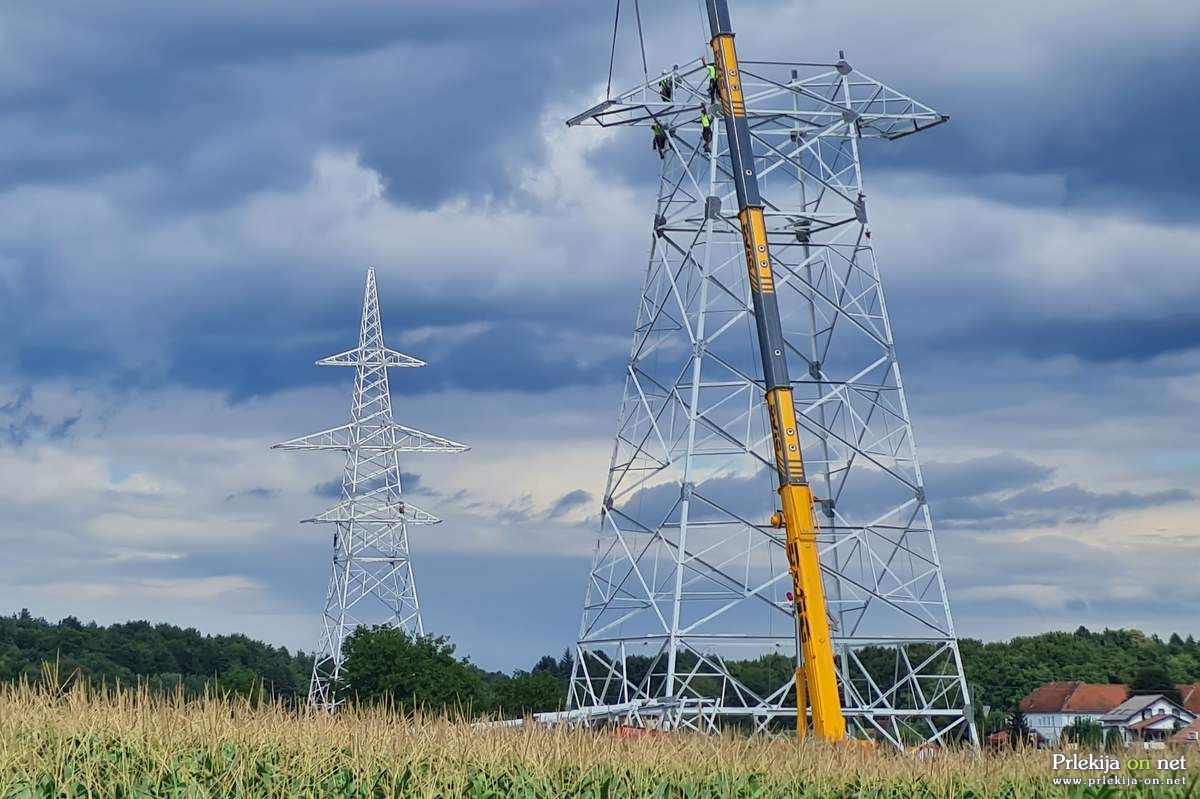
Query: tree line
x=161, y=656
x=1004, y=672
x=387, y=665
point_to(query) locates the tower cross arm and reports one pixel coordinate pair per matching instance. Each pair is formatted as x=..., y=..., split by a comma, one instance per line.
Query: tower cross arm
x=805, y=98
x=374, y=510
x=645, y=103
x=371, y=357
x=390, y=436
x=407, y=439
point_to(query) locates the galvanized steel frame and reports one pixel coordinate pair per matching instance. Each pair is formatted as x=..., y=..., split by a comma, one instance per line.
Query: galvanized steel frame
x=693, y=579
x=372, y=581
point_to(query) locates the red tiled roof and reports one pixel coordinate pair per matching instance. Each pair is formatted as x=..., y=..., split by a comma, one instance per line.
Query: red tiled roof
x=1189, y=695
x=1093, y=698
x=1048, y=698
x=1181, y=737
x=1075, y=697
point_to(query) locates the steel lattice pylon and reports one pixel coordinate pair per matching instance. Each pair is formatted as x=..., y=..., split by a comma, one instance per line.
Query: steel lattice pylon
x=372, y=581
x=686, y=621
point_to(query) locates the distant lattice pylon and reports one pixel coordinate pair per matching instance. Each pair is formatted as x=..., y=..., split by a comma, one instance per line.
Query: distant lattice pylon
x=372, y=581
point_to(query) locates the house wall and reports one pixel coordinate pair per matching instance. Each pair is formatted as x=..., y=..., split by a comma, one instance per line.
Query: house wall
x=1162, y=706
x=1051, y=725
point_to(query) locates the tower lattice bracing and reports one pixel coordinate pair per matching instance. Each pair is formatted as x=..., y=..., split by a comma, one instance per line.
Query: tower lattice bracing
x=372, y=580
x=687, y=620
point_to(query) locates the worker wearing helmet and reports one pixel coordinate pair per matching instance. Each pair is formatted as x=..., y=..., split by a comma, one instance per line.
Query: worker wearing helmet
x=712, y=81
x=660, y=139
x=665, y=89
x=706, y=129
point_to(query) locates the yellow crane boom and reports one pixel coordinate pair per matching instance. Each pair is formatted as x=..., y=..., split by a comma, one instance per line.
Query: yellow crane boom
x=816, y=677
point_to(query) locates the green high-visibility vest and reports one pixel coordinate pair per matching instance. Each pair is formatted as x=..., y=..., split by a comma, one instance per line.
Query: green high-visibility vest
x=705, y=120
x=712, y=71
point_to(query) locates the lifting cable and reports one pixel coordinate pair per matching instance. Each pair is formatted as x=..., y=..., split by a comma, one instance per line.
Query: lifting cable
x=637, y=13
x=612, y=53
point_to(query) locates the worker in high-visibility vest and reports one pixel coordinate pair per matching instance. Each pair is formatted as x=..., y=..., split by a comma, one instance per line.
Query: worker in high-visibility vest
x=660, y=139
x=706, y=129
x=665, y=89
x=713, y=85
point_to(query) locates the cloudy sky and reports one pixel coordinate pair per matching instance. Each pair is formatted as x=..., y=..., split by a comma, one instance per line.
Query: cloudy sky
x=190, y=195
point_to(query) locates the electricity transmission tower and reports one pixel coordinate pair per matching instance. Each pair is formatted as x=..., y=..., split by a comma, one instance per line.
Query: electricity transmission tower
x=372, y=581
x=688, y=620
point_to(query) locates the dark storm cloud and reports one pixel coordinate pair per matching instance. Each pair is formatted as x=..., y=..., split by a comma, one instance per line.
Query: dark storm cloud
x=219, y=99
x=1096, y=341
x=197, y=106
x=505, y=357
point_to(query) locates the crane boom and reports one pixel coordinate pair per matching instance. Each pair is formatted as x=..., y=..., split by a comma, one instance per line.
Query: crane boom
x=816, y=678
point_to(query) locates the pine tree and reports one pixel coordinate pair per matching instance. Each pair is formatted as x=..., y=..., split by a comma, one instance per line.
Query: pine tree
x=1018, y=727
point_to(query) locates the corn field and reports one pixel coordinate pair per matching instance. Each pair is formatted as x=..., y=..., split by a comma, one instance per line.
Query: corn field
x=82, y=741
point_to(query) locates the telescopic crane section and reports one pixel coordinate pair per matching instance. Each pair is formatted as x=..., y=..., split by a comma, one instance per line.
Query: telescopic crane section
x=816, y=678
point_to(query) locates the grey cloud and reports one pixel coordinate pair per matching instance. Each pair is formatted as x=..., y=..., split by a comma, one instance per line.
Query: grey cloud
x=208, y=96
x=409, y=481
x=569, y=502
x=215, y=118
x=164, y=126
x=330, y=490
x=518, y=511
x=1005, y=585
x=1072, y=498
x=253, y=493
x=1034, y=508
x=19, y=423
x=989, y=474
x=1119, y=338
x=995, y=492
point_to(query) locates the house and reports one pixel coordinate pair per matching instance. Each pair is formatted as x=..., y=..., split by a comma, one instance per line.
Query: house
x=1189, y=735
x=1057, y=705
x=1147, y=718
